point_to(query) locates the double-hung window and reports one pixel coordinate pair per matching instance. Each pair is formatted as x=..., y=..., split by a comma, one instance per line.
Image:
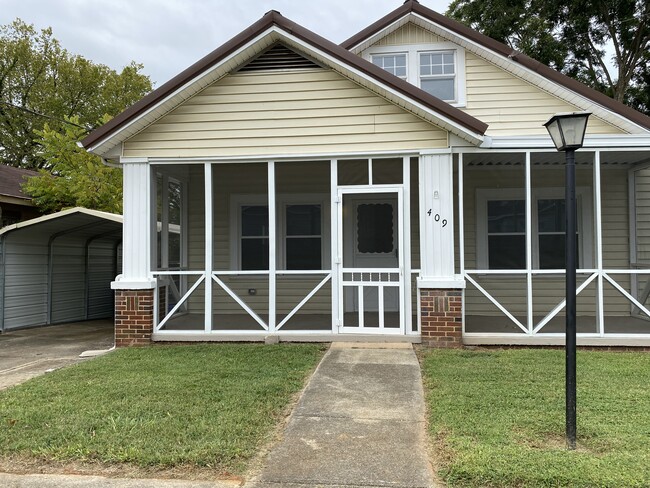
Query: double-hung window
x=437, y=68
x=438, y=74
x=300, y=234
x=254, y=239
x=501, y=229
x=303, y=237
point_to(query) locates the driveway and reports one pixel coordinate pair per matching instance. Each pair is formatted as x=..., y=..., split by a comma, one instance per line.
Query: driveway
x=31, y=352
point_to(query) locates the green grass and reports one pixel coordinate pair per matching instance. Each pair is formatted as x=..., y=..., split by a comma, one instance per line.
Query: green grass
x=164, y=406
x=497, y=418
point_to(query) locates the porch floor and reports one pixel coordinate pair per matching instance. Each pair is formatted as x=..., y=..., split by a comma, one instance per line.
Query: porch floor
x=585, y=324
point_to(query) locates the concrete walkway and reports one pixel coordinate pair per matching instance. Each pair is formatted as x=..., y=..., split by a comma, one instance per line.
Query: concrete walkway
x=360, y=422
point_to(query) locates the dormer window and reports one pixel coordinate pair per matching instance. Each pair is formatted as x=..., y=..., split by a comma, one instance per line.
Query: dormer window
x=438, y=74
x=393, y=63
x=437, y=68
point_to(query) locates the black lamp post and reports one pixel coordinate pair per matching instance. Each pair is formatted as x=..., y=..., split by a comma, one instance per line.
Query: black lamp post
x=568, y=132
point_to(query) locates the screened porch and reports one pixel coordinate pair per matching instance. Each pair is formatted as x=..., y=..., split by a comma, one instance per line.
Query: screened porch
x=510, y=248
x=293, y=247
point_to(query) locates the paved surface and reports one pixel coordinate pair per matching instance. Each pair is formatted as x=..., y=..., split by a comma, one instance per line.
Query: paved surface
x=31, y=352
x=359, y=422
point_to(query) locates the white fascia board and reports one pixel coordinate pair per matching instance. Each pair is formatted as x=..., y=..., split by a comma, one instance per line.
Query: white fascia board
x=622, y=141
x=186, y=91
x=433, y=117
x=95, y=213
x=531, y=76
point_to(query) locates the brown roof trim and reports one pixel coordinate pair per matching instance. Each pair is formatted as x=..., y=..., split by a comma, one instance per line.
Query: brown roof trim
x=502, y=49
x=275, y=18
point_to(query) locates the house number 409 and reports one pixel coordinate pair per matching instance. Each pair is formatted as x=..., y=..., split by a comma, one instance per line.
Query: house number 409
x=437, y=218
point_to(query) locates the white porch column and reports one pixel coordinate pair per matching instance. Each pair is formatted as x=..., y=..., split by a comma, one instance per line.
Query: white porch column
x=136, y=230
x=437, y=223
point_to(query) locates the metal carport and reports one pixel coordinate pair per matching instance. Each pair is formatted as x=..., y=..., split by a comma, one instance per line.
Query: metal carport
x=58, y=268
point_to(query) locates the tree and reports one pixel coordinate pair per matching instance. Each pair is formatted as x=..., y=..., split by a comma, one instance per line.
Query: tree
x=574, y=36
x=42, y=83
x=74, y=178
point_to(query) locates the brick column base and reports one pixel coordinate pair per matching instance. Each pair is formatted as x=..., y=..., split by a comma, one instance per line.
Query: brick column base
x=441, y=317
x=133, y=317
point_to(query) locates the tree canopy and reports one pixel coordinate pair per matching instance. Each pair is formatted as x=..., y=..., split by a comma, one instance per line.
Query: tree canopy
x=575, y=37
x=42, y=83
x=74, y=178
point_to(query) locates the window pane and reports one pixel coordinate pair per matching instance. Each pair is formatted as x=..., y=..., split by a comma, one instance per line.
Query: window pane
x=507, y=252
x=375, y=228
x=175, y=199
x=304, y=253
x=443, y=88
x=255, y=220
x=174, y=249
x=551, y=251
x=506, y=216
x=393, y=63
x=303, y=220
x=551, y=215
x=254, y=254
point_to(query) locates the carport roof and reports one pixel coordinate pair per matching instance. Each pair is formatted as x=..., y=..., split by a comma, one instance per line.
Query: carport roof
x=83, y=222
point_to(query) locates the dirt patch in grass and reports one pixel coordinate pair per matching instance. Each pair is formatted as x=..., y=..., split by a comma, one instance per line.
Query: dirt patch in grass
x=18, y=464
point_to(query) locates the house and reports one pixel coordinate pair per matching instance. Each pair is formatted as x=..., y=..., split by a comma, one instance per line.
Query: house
x=399, y=186
x=15, y=206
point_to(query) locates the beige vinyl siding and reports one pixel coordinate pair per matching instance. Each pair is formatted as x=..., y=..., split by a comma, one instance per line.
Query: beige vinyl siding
x=642, y=201
x=408, y=34
x=299, y=112
x=549, y=291
x=512, y=106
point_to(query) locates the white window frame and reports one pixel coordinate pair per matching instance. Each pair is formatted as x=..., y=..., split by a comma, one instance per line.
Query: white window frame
x=585, y=216
x=282, y=201
x=413, y=64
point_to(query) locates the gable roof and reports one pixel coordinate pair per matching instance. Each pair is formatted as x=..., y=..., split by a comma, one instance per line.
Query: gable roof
x=331, y=54
x=11, y=180
x=414, y=7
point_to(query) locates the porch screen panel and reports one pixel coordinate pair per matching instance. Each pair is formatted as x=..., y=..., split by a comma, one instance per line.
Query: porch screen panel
x=302, y=200
x=624, y=176
x=495, y=239
x=180, y=237
x=240, y=246
x=415, y=236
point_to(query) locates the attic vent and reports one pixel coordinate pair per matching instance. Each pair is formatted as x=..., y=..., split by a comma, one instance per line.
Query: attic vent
x=279, y=57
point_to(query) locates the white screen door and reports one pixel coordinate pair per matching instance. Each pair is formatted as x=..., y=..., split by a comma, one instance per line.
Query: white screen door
x=371, y=274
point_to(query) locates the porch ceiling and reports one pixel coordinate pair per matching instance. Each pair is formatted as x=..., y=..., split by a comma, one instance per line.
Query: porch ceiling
x=555, y=158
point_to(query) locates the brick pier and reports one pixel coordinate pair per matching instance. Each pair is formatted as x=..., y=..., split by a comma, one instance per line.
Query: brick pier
x=133, y=317
x=441, y=315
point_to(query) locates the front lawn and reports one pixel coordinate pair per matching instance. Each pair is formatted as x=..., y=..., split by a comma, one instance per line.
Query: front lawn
x=496, y=418
x=208, y=405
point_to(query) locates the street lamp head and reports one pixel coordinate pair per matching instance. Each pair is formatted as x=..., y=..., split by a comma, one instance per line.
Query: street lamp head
x=568, y=130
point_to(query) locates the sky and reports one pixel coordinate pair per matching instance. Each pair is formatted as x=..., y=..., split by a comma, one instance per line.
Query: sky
x=167, y=36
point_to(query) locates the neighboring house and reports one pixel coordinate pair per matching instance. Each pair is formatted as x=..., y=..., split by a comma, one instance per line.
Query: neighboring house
x=15, y=206
x=398, y=186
